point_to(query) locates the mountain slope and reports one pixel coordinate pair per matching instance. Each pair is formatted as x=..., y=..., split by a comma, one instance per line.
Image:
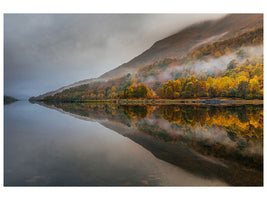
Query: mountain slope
x=183, y=42
x=180, y=44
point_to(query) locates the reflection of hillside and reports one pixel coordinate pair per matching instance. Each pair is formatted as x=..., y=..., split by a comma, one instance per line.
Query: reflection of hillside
x=212, y=142
x=181, y=155
x=94, y=111
x=137, y=110
x=242, y=120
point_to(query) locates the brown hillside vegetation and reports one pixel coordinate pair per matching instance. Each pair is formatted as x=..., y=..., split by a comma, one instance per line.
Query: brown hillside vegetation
x=182, y=42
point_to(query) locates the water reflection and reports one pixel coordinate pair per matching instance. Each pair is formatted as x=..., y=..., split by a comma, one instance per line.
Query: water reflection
x=212, y=142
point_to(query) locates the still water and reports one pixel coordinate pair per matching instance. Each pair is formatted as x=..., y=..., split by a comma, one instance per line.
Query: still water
x=107, y=144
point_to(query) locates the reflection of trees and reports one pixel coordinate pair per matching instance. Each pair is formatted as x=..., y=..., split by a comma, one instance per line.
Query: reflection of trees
x=196, y=127
x=94, y=110
x=183, y=115
x=136, y=110
x=245, y=121
x=242, y=120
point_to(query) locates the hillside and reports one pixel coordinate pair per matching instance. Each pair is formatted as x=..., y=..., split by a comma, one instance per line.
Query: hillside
x=183, y=42
x=9, y=99
x=182, y=50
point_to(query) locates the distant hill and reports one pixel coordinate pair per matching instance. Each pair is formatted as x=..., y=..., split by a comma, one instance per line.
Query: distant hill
x=9, y=99
x=176, y=49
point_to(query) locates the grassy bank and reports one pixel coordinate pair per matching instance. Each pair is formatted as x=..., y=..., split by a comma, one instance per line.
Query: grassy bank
x=191, y=101
x=217, y=101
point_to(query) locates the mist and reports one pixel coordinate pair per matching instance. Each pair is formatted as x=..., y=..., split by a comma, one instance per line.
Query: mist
x=207, y=66
x=216, y=65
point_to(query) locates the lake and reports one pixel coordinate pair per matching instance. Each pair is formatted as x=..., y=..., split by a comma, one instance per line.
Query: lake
x=85, y=144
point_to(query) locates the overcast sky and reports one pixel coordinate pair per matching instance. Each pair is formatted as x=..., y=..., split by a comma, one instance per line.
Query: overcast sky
x=43, y=52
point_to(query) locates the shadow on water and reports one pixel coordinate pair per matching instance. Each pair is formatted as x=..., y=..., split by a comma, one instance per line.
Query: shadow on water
x=222, y=142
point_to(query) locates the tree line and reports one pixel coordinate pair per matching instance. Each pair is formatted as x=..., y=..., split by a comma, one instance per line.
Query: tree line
x=244, y=82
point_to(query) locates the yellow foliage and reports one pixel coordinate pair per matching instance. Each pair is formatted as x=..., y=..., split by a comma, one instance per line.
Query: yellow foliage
x=242, y=78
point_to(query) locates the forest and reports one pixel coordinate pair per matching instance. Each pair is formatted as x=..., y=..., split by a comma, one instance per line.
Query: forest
x=242, y=81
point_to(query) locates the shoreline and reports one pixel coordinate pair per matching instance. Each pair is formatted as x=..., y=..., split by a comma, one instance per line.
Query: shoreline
x=167, y=101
